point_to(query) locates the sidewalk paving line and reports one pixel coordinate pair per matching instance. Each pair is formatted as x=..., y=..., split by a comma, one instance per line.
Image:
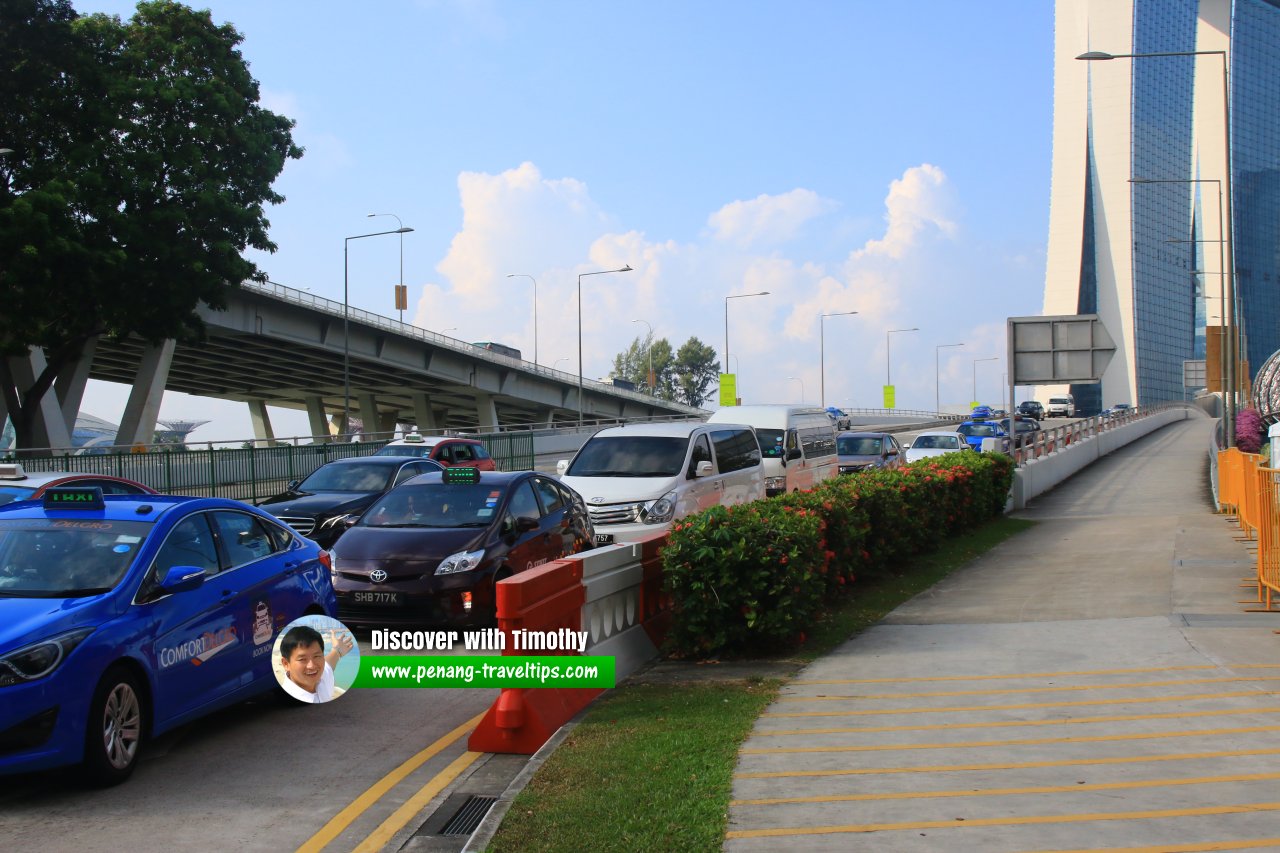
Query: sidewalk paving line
x=1055, y=689
x=1023, y=706
x=1203, y=847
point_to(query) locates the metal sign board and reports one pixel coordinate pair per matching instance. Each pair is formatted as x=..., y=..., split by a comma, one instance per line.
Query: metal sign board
x=1193, y=374
x=1058, y=350
x=728, y=389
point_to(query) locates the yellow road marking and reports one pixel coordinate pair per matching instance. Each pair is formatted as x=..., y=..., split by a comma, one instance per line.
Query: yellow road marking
x=1000, y=792
x=1066, y=721
x=998, y=821
x=887, y=747
x=1057, y=689
x=389, y=827
x=1022, y=706
x=1010, y=765
x=339, y=822
x=1251, y=844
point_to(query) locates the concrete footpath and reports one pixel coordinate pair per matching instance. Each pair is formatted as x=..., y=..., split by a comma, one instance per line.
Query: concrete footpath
x=1092, y=683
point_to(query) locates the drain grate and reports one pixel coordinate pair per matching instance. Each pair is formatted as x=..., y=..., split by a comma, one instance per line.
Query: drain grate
x=468, y=817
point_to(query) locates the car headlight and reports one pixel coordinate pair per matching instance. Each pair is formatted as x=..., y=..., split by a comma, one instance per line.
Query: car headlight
x=775, y=482
x=662, y=510
x=463, y=561
x=39, y=659
x=337, y=520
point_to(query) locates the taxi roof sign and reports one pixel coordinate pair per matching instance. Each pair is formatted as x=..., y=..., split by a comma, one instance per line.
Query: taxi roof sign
x=413, y=438
x=74, y=497
x=462, y=475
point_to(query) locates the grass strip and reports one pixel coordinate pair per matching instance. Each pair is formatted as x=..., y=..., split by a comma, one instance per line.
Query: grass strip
x=650, y=767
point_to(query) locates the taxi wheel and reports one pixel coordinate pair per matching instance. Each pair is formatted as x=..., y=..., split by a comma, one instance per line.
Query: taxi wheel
x=113, y=737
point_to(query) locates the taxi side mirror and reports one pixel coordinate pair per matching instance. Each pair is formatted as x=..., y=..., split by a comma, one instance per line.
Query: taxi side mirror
x=525, y=524
x=182, y=579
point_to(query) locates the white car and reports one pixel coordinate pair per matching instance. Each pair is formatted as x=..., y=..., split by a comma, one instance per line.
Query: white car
x=935, y=443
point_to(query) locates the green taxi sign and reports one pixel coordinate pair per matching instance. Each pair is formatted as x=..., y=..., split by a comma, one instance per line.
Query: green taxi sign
x=469, y=476
x=73, y=497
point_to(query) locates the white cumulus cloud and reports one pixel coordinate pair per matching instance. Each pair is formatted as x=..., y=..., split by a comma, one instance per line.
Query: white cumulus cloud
x=768, y=219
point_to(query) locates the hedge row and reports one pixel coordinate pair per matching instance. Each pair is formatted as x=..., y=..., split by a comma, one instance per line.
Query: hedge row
x=757, y=574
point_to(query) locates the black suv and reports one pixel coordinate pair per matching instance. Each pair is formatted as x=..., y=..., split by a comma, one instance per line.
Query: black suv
x=321, y=506
x=1031, y=409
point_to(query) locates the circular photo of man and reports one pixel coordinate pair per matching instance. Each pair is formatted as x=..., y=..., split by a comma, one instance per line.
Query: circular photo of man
x=316, y=659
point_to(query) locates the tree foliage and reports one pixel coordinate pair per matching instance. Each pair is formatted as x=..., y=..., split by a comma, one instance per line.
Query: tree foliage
x=683, y=376
x=141, y=167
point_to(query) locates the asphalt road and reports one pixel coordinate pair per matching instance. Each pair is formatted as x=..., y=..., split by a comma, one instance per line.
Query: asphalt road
x=262, y=775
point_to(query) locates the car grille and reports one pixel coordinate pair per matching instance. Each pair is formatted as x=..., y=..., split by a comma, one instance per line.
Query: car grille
x=627, y=513
x=304, y=526
x=849, y=469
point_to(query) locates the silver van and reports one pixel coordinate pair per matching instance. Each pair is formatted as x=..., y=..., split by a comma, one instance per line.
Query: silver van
x=640, y=478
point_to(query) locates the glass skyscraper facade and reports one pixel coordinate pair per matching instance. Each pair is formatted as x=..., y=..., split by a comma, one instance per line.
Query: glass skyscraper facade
x=1140, y=203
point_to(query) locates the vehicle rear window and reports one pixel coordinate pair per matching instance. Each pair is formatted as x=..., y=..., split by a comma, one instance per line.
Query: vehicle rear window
x=630, y=456
x=66, y=558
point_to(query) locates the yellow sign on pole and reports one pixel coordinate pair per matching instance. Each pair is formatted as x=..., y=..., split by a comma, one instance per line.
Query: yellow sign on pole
x=890, y=397
x=728, y=389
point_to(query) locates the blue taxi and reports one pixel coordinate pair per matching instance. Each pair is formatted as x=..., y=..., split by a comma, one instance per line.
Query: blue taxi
x=124, y=616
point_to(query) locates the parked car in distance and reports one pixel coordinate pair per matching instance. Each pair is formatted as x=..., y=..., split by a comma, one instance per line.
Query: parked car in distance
x=430, y=550
x=324, y=505
x=1032, y=409
x=125, y=616
x=1062, y=406
x=935, y=443
x=839, y=418
x=17, y=484
x=864, y=451
x=975, y=431
x=449, y=451
x=639, y=478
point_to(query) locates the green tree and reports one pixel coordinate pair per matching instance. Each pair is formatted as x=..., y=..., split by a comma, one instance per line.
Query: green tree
x=696, y=370
x=142, y=164
x=632, y=364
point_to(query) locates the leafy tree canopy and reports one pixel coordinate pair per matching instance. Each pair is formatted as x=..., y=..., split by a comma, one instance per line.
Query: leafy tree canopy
x=142, y=163
x=685, y=376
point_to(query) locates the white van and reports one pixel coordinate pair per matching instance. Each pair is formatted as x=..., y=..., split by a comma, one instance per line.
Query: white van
x=1061, y=406
x=638, y=479
x=798, y=443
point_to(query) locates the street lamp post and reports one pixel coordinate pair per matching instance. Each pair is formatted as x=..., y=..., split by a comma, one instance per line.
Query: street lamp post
x=888, y=381
x=937, y=376
x=652, y=388
x=535, y=309
x=346, y=337
x=726, y=320
x=623, y=268
x=822, y=353
x=400, y=283
x=975, y=374
x=801, y=381
x=1230, y=396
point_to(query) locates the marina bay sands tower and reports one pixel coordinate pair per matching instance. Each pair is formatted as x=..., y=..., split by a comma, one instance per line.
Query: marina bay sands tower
x=1165, y=167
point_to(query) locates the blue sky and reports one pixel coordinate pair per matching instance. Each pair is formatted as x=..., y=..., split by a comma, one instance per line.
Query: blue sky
x=880, y=157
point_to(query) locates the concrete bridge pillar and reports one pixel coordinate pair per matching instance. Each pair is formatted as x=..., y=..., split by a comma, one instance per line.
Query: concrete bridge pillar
x=424, y=416
x=71, y=383
x=367, y=406
x=316, y=420
x=341, y=427
x=486, y=412
x=49, y=427
x=138, y=426
x=262, y=431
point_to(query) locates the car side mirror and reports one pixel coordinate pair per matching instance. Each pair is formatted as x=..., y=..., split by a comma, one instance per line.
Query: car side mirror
x=562, y=466
x=704, y=469
x=182, y=579
x=292, y=485
x=891, y=452
x=793, y=453
x=525, y=524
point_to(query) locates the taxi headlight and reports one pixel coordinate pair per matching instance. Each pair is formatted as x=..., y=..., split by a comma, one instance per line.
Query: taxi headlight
x=39, y=659
x=463, y=561
x=662, y=510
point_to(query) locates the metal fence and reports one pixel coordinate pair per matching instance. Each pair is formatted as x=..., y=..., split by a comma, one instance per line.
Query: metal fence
x=248, y=473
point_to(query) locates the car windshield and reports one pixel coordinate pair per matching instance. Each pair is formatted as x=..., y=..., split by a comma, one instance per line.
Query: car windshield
x=355, y=477
x=9, y=494
x=860, y=445
x=417, y=451
x=436, y=505
x=977, y=430
x=630, y=456
x=936, y=442
x=66, y=558
x=771, y=443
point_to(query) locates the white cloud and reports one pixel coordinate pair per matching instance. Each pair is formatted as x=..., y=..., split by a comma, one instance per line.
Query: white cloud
x=768, y=219
x=919, y=199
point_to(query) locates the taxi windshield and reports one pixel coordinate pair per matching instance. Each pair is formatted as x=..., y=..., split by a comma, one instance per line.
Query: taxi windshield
x=446, y=505
x=977, y=430
x=66, y=558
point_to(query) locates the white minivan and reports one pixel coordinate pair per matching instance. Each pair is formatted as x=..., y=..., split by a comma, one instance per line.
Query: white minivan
x=798, y=443
x=639, y=478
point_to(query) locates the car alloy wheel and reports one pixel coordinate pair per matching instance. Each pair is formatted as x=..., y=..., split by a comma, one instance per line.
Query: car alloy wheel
x=114, y=735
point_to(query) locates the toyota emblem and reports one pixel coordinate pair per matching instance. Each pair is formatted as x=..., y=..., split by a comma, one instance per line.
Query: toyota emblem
x=377, y=576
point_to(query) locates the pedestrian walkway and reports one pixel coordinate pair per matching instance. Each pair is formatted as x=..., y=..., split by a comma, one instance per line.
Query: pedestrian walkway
x=1092, y=683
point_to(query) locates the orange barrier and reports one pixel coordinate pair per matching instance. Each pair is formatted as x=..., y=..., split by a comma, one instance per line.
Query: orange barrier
x=1229, y=480
x=544, y=599
x=1249, y=493
x=1268, y=504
